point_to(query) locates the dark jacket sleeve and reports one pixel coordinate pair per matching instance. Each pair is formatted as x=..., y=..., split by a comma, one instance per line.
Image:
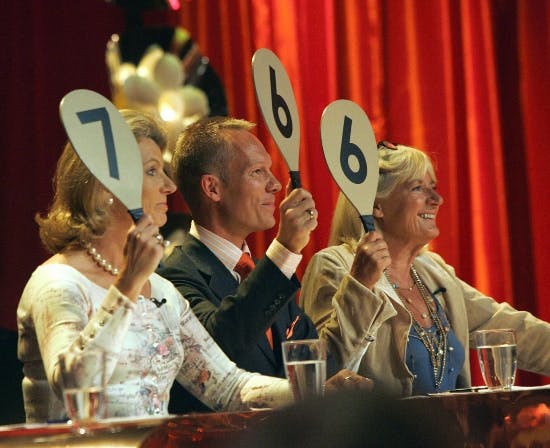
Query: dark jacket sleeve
x=235, y=315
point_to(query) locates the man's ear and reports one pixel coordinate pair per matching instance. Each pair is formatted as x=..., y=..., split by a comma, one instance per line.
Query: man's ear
x=377, y=210
x=210, y=185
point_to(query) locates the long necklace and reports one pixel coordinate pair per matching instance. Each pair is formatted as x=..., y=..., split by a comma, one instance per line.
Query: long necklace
x=436, y=342
x=396, y=286
x=100, y=261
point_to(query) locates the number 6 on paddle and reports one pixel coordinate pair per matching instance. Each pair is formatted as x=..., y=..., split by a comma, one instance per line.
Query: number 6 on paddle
x=105, y=144
x=278, y=107
x=350, y=151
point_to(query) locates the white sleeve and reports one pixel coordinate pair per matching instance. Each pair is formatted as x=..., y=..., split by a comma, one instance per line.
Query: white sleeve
x=215, y=380
x=61, y=314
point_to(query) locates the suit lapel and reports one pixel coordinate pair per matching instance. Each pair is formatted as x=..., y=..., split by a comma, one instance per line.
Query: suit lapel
x=221, y=282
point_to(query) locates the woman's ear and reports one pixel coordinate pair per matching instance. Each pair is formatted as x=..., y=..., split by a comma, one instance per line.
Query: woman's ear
x=210, y=186
x=377, y=210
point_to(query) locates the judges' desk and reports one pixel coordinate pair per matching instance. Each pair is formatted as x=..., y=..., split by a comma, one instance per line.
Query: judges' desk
x=519, y=418
x=481, y=419
x=196, y=430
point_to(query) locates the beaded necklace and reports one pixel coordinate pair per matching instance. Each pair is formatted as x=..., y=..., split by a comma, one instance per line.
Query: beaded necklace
x=436, y=342
x=100, y=261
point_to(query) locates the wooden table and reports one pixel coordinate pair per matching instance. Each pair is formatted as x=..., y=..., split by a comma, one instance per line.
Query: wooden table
x=197, y=430
x=479, y=419
x=519, y=418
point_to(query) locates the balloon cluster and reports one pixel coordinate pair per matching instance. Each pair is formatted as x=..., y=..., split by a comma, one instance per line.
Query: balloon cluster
x=155, y=85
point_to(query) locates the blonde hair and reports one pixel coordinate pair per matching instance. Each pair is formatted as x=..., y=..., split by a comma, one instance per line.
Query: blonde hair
x=396, y=166
x=79, y=211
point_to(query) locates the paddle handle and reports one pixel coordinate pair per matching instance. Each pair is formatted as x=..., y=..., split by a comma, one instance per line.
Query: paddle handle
x=136, y=213
x=368, y=222
x=295, y=181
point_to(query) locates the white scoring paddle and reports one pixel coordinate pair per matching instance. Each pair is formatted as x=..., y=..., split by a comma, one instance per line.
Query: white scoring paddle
x=105, y=144
x=278, y=107
x=351, y=154
x=350, y=151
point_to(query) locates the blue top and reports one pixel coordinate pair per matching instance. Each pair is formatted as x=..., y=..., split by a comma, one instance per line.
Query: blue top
x=419, y=363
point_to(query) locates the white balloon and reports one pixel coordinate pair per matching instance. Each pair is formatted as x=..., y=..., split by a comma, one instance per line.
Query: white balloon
x=195, y=101
x=141, y=90
x=147, y=63
x=170, y=105
x=125, y=70
x=168, y=71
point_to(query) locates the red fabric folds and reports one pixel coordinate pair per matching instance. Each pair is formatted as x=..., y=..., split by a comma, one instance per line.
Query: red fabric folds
x=467, y=81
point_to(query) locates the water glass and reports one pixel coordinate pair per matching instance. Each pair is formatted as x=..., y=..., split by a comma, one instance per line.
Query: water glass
x=83, y=377
x=497, y=354
x=306, y=367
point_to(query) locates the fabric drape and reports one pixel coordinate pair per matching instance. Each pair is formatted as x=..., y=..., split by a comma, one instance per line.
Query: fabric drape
x=467, y=81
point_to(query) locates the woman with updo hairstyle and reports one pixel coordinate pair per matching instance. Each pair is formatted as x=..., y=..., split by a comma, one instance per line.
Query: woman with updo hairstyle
x=99, y=290
x=388, y=287
x=80, y=209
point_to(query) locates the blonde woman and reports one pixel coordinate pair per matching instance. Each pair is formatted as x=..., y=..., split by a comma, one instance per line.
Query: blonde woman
x=387, y=285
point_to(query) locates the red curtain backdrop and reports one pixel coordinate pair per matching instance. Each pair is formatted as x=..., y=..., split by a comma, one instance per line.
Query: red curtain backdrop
x=467, y=81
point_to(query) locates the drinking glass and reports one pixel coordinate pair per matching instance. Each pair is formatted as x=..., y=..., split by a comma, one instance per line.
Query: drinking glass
x=496, y=350
x=306, y=367
x=83, y=376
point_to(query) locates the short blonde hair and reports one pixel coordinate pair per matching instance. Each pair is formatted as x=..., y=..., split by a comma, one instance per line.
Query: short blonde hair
x=396, y=166
x=79, y=210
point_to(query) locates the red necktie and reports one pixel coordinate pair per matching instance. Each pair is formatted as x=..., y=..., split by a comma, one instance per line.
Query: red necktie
x=243, y=268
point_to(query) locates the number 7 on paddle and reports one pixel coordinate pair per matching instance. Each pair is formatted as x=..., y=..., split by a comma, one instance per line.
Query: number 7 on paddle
x=105, y=144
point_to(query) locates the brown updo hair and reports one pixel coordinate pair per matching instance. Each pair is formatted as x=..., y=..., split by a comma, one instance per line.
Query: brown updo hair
x=79, y=211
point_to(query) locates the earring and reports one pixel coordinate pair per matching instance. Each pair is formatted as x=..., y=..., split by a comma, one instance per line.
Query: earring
x=110, y=201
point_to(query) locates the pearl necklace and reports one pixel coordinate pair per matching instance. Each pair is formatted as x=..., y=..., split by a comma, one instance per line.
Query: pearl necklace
x=100, y=261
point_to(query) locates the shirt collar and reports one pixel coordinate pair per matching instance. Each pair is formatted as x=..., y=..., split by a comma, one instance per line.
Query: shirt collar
x=225, y=250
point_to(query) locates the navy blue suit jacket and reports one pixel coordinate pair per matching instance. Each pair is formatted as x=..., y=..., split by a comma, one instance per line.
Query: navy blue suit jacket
x=237, y=316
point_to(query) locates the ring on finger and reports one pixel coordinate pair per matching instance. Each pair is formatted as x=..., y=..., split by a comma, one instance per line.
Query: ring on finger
x=160, y=239
x=347, y=378
x=311, y=213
